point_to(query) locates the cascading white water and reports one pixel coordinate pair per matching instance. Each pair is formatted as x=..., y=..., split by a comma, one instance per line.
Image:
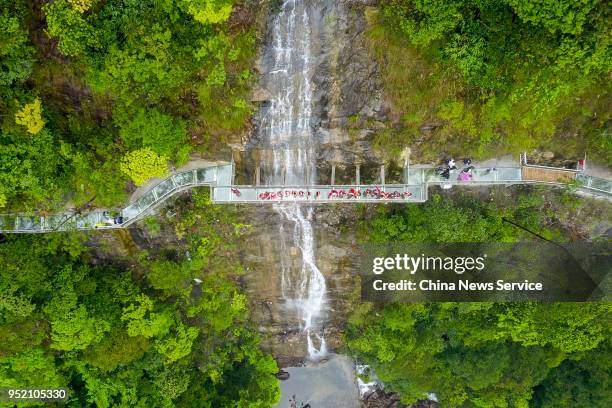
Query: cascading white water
x=307, y=292
x=285, y=128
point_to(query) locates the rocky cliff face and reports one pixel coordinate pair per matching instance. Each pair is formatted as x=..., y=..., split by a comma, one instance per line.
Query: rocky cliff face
x=349, y=96
x=347, y=107
x=348, y=103
x=275, y=317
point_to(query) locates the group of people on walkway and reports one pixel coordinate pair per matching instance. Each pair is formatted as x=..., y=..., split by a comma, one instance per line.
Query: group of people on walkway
x=376, y=193
x=351, y=193
x=464, y=175
x=276, y=195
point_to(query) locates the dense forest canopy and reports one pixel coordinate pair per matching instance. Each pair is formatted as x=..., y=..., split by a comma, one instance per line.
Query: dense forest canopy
x=137, y=331
x=489, y=355
x=91, y=90
x=515, y=354
x=98, y=96
x=501, y=75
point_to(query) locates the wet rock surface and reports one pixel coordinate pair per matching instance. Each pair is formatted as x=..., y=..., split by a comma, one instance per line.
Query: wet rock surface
x=348, y=103
x=349, y=96
x=283, y=375
x=379, y=398
x=261, y=257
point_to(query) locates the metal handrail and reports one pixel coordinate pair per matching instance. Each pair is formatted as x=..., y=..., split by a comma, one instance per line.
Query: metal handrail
x=539, y=166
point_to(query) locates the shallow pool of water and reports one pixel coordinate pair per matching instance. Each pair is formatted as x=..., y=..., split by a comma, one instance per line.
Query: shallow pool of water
x=331, y=384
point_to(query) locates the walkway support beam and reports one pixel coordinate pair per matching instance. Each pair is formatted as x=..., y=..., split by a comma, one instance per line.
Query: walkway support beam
x=258, y=175
x=333, y=174
x=357, y=174
x=382, y=174
x=406, y=167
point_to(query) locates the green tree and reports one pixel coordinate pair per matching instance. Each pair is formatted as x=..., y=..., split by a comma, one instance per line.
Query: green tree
x=70, y=27
x=142, y=321
x=30, y=116
x=82, y=5
x=153, y=129
x=113, y=340
x=16, y=55
x=30, y=167
x=580, y=381
x=178, y=344
x=143, y=164
x=209, y=11
x=116, y=349
x=149, y=67
x=466, y=353
x=480, y=354
x=566, y=16
x=521, y=71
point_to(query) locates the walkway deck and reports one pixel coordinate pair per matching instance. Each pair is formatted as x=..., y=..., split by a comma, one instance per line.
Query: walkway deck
x=219, y=178
x=548, y=174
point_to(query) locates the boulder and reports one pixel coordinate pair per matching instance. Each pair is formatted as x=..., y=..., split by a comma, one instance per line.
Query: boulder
x=259, y=94
x=282, y=375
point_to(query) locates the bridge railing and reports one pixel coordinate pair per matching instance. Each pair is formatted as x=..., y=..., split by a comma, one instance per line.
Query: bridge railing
x=480, y=176
x=209, y=176
x=320, y=193
x=595, y=184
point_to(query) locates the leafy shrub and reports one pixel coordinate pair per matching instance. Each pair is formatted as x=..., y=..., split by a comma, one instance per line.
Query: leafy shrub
x=143, y=164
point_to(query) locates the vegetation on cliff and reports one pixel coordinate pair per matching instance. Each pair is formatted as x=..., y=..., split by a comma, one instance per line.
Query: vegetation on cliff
x=487, y=354
x=135, y=331
x=481, y=77
x=484, y=354
x=85, y=83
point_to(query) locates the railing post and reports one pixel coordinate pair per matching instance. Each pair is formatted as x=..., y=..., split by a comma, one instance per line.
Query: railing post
x=333, y=175
x=382, y=174
x=174, y=185
x=258, y=174
x=406, y=168
x=357, y=175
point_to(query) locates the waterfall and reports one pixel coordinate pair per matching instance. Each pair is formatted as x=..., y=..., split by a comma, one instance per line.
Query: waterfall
x=286, y=129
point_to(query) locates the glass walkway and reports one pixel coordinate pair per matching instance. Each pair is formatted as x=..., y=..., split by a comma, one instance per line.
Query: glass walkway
x=219, y=179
